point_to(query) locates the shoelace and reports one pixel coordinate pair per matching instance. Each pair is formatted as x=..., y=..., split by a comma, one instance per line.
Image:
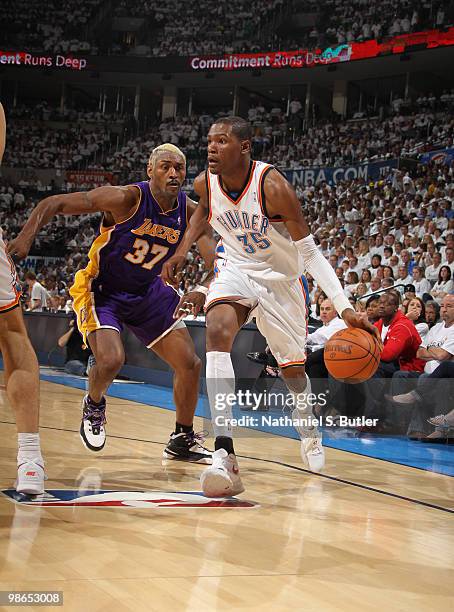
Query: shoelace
x=198, y=437
x=96, y=416
x=315, y=446
x=36, y=462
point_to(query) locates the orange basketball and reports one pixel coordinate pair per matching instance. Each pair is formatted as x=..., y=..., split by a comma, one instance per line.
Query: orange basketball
x=352, y=355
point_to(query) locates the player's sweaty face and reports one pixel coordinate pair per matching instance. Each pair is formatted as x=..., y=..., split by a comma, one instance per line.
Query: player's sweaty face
x=169, y=173
x=224, y=148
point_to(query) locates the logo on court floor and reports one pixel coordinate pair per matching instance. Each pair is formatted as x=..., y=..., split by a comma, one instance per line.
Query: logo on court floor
x=126, y=499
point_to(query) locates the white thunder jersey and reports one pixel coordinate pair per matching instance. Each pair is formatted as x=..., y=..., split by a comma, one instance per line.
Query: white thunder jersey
x=9, y=284
x=259, y=247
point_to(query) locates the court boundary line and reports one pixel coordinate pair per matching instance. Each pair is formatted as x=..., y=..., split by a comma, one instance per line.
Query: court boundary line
x=282, y=464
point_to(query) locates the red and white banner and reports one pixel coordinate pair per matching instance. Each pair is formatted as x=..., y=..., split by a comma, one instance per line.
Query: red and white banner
x=305, y=58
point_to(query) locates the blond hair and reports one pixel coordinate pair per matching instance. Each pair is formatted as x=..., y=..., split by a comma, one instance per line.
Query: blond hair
x=167, y=146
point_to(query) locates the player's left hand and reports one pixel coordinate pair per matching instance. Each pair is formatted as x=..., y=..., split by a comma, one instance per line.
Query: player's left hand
x=354, y=319
x=191, y=303
x=19, y=247
x=171, y=268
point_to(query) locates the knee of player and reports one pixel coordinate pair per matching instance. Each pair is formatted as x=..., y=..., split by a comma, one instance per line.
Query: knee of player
x=190, y=363
x=218, y=336
x=110, y=362
x=197, y=363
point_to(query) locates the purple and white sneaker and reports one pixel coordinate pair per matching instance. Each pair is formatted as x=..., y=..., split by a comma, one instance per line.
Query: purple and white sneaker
x=92, y=431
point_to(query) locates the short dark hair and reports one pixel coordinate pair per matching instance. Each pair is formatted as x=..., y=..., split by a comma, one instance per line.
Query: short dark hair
x=30, y=275
x=240, y=127
x=373, y=298
x=395, y=297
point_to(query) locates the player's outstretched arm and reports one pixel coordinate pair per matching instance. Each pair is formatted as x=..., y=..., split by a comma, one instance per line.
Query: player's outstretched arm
x=116, y=200
x=198, y=225
x=2, y=132
x=281, y=201
x=194, y=301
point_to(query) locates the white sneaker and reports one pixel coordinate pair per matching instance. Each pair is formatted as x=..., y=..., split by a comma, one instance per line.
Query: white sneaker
x=222, y=478
x=92, y=430
x=312, y=451
x=443, y=421
x=30, y=477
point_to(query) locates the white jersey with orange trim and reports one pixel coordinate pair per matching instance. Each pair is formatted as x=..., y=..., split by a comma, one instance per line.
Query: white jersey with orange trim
x=9, y=284
x=260, y=247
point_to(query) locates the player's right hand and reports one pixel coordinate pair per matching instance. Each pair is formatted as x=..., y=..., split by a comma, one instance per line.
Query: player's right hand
x=191, y=303
x=170, y=269
x=355, y=319
x=19, y=248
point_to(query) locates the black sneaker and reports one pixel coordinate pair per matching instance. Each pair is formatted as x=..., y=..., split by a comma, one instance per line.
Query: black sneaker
x=187, y=447
x=265, y=358
x=92, y=431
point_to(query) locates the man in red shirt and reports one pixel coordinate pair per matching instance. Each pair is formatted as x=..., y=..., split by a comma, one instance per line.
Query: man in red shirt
x=400, y=345
x=400, y=338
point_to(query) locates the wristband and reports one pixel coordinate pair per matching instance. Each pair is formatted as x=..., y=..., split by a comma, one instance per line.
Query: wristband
x=201, y=289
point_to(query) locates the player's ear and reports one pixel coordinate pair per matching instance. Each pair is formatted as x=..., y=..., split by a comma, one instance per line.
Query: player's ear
x=149, y=171
x=245, y=147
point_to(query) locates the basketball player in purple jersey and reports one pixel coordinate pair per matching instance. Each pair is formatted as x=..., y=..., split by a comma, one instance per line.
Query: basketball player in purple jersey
x=21, y=369
x=142, y=226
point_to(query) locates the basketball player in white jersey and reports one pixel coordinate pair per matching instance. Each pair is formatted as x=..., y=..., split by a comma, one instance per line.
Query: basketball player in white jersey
x=265, y=246
x=21, y=373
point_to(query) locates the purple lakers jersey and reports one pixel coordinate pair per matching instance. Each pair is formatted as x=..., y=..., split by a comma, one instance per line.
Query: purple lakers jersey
x=128, y=256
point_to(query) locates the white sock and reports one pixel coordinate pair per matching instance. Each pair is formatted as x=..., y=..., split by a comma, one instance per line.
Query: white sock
x=304, y=406
x=28, y=448
x=220, y=378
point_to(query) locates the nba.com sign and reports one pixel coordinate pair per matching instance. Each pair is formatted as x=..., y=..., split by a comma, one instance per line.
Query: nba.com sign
x=371, y=171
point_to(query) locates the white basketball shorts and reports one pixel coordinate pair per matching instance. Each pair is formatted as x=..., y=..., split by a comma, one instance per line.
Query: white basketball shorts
x=279, y=309
x=9, y=284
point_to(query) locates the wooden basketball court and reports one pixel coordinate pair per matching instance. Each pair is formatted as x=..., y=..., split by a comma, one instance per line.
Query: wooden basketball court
x=366, y=535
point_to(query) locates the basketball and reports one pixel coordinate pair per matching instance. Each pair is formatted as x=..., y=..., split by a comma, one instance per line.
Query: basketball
x=352, y=355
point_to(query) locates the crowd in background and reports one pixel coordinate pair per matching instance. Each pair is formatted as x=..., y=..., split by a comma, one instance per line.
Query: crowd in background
x=399, y=229
x=178, y=29
x=359, y=20
x=54, y=26
x=43, y=111
x=214, y=28
x=407, y=129
x=33, y=146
